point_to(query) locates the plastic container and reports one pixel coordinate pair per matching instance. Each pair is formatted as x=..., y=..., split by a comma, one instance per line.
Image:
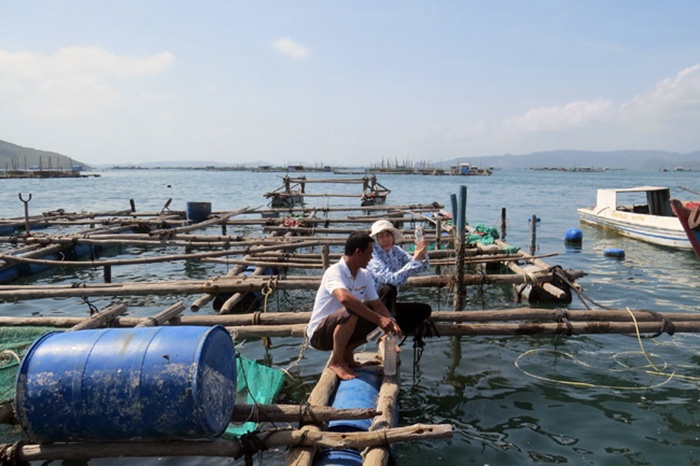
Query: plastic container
x=375, y=335
x=390, y=354
x=198, y=211
x=360, y=392
x=151, y=383
x=419, y=234
x=345, y=457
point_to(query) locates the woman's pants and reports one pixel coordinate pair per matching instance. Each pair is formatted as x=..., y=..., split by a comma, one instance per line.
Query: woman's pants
x=407, y=315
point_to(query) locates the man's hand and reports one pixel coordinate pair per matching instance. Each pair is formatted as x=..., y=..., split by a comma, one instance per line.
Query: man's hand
x=389, y=325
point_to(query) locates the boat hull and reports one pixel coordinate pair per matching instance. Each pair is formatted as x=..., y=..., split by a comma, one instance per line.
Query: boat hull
x=683, y=214
x=663, y=231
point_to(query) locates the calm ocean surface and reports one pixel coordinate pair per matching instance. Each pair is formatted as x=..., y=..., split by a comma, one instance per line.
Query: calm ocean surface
x=590, y=400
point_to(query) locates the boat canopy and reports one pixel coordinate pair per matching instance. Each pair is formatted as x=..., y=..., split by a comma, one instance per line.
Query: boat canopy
x=657, y=199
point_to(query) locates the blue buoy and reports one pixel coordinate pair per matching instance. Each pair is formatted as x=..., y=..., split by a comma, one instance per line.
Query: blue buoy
x=614, y=252
x=152, y=383
x=573, y=235
x=537, y=219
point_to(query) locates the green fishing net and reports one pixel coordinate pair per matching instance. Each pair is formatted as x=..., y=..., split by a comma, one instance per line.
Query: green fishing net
x=14, y=342
x=255, y=383
x=483, y=234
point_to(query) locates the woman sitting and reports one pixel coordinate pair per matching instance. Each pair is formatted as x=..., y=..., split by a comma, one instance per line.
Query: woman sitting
x=390, y=267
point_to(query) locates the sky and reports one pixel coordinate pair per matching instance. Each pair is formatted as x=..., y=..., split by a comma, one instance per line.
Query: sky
x=347, y=83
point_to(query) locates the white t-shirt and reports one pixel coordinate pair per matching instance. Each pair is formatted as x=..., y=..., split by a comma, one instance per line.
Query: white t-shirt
x=338, y=276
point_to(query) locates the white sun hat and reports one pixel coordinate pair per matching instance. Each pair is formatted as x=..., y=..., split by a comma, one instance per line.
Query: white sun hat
x=382, y=225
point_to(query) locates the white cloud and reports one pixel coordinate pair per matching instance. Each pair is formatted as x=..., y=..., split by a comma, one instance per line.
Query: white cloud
x=562, y=118
x=73, y=81
x=666, y=117
x=290, y=48
x=680, y=93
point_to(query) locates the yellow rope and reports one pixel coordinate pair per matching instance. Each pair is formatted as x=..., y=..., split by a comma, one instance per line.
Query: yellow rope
x=647, y=356
x=586, y=384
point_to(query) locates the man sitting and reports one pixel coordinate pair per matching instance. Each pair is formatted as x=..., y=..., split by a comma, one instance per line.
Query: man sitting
x=347, y=307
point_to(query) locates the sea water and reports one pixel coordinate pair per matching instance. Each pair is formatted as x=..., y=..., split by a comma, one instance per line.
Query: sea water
x=591, y=399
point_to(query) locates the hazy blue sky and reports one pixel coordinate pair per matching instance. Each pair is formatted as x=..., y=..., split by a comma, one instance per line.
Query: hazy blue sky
x=347, y=83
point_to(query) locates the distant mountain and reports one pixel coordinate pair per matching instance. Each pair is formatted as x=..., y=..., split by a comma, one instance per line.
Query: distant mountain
x=183, y=164
x=627, y=159
x=14, y=157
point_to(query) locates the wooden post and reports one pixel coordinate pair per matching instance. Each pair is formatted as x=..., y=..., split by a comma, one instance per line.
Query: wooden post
x=325, y=259
x=460, y=246
x=438, y=235
x=533, y=234
x=503, y=223
x=108, y=273
x=455, y=212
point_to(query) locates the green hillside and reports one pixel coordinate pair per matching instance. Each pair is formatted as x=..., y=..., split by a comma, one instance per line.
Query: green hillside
x=14, y=157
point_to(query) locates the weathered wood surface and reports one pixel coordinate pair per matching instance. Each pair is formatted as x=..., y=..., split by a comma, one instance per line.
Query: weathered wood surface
x=387, y=405
x=296, y=413
x=236, y=284
x=303, y=455
x=224, y=448
x=163, y=316
x=264, y=319
x=100, y=319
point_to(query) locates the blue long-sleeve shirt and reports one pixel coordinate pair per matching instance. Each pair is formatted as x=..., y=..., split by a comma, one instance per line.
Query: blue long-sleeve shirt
x=394, y=267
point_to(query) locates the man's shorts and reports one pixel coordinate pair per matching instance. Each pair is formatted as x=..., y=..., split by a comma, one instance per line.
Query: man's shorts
x=322, y=339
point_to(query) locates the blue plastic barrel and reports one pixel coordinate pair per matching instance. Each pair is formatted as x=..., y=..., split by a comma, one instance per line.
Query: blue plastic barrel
x=198, y=211
x=9, y=273
x=573, y=235
x=614, y=252
x=151, y=383
x=360, y=392
x=346, y=457
x=38, y=268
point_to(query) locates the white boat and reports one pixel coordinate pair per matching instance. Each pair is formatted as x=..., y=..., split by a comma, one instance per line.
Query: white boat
x=642, y=213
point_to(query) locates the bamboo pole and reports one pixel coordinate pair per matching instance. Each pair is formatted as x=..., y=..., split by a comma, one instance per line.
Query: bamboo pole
x=290, y=318
x=388, y=208
x=230, y=303
x=228, y=285
x=297, y=413
x=537, y=265
x=223, y=448
x=387, y=405
x=222, y=218
x=207, y=297
x=164, y=316
x=319, y=396
x=572, y=328
x=150, y=260
x=100, y=319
